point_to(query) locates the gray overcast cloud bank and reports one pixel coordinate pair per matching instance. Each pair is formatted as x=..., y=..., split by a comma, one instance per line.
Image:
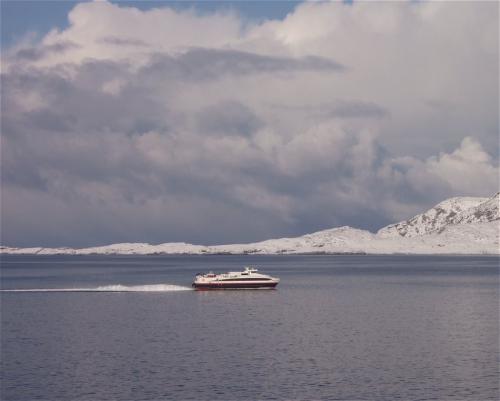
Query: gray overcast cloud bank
x=207, y=129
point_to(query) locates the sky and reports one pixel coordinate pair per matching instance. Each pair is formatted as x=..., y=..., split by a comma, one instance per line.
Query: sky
x=225, y=122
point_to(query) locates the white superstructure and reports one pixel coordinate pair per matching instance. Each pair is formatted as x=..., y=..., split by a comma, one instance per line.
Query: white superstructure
x=248, y=278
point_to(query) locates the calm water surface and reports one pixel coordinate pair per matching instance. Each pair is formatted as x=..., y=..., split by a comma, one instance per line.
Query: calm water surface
x=337, y=327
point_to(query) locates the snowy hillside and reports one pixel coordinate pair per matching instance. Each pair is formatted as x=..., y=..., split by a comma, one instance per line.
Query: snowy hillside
x=433, y=219
x=458, y=225
x=484, y=212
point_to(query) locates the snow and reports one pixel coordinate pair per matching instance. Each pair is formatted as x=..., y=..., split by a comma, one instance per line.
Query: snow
x=486, y=211
x=462, y=225
x=433, y=219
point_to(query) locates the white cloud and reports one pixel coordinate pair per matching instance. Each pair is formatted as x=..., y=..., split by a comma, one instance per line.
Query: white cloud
x=339, y=114
x=468, y=170
x=110, y=31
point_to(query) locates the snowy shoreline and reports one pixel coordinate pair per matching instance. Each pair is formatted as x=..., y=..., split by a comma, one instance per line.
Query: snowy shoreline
x=457, y=226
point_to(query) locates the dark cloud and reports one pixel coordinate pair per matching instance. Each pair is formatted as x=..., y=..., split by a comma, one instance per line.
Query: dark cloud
x=127, y=162
x=358, y=109
x=49, y=120
x=114, y=152
x=80, y=104
x=341, y=109
x=228, y=118
x=116, y=41
x=40, y=52
x=205, y=64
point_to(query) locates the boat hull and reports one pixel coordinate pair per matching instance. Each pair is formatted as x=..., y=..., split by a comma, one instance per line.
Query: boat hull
x=233, y=286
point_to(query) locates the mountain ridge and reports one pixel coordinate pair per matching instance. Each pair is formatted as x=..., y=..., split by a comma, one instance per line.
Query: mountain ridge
x=463, y=225
x=433, y=219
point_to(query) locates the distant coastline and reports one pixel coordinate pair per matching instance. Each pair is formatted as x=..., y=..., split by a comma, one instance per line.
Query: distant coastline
x=456, y=226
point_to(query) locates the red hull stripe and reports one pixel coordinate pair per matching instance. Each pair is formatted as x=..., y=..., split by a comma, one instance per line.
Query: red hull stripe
x=217, y=286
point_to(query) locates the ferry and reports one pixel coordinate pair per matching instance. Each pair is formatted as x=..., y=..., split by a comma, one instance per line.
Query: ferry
x=249, y=278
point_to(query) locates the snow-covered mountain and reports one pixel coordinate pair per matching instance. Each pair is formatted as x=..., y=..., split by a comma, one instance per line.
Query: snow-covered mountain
x=484, y=212
x=458, y=225
x=435, y=219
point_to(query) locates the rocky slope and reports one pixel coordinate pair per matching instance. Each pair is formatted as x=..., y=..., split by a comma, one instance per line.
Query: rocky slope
x=435, y=219
x=484, y=212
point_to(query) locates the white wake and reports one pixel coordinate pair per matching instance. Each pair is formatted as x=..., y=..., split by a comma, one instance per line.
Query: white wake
x=110, y=288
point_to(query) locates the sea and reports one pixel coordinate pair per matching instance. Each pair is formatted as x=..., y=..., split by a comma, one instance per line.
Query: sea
x=338, y=327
